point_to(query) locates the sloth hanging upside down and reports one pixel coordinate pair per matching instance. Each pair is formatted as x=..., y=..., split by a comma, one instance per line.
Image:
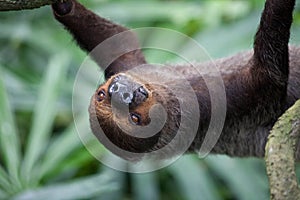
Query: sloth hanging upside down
x=259, y=85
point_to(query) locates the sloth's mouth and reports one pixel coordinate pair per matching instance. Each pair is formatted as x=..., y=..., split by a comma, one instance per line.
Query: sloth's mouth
x=124, y=91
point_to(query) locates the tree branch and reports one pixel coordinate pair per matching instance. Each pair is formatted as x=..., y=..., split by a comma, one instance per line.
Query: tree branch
x=280, y=155
x=6, y=5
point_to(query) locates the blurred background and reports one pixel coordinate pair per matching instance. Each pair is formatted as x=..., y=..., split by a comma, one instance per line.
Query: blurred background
x=41, y=155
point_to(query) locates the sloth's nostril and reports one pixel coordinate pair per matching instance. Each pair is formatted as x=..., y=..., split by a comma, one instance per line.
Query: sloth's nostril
x=126, y=96
x=113, y=88
x=143, y=91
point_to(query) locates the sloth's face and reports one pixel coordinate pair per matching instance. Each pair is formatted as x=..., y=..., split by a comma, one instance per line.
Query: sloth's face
x=120, y=109
x=123, y=100
x=124, y=115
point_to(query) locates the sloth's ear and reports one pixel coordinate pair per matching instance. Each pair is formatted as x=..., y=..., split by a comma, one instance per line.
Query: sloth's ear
x=113, y=47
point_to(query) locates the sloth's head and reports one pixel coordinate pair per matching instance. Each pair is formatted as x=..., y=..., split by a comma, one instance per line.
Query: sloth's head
x=125, y=115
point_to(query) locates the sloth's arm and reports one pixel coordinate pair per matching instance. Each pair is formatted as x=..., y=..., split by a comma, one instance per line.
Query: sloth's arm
x=261, y=89
x=257, y=94
x=89, y=30
x=272, y=38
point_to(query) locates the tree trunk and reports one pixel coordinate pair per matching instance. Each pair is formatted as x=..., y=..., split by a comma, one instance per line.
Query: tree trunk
x=6, y=5
x=280, y=155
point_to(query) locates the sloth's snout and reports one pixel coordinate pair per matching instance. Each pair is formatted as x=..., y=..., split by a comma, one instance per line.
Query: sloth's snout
x=120, y=93
x=123, y=90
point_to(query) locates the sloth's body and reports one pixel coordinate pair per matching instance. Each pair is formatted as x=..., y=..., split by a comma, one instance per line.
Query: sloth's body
x=247, y=125
x=259, y=85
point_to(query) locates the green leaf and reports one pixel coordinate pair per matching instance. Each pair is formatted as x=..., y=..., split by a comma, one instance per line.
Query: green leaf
x=228, y=39
x=44, y=113
x=193, y=179
x=120, y=178
x=240, y=176
x=9, y=140
x=84, y=188
x=4, y=180
x=72, y=164
x=3, y=195
x=61, y=147
x=145, y=186
x=177, y=12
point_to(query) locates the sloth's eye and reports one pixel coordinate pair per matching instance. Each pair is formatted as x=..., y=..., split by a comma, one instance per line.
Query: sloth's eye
x=135, y=118
x=101, y=95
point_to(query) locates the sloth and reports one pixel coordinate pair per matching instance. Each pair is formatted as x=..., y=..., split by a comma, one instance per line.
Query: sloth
x=260, y=85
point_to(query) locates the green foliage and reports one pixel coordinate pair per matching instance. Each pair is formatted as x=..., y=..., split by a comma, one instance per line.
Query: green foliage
x=41, y=156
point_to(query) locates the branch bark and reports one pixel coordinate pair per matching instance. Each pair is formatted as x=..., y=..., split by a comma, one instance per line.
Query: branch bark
x=7, y=5
x=280, y=155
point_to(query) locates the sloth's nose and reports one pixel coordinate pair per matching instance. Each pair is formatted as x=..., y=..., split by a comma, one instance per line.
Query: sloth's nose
x=123, y=90
x=121, y=93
